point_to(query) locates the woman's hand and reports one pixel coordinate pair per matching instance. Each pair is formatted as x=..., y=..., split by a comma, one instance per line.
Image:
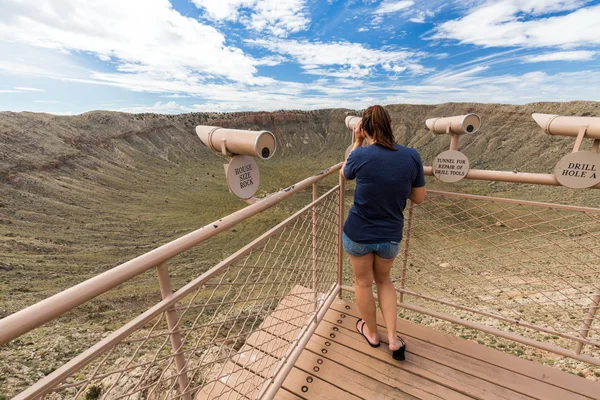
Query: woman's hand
x=359, y=135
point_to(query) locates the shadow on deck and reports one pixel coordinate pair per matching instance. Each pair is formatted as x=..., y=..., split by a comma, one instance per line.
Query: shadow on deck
x=337, y=364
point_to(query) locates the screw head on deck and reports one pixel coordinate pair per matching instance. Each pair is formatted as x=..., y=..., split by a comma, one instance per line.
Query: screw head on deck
x=305, y=389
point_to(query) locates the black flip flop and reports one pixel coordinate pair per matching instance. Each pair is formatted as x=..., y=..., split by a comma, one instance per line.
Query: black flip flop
x=363, y=334
x=399, y=354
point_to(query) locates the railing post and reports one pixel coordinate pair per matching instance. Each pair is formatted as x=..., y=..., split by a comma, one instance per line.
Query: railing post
x=340, y=251
x=315, y=242
x=587, y=322
x=406, y=248
x=166, y=290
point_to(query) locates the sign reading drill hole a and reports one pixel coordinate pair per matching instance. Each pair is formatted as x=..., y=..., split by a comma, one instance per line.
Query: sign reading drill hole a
x=578, y=170
x=242, y=176
x=450, y=166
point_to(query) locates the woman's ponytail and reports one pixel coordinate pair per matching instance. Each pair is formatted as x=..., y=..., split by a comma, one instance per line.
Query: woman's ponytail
x=377, y=123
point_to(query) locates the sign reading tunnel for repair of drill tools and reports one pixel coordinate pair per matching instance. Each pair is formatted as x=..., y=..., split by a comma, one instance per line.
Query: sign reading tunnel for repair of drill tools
x=450, y=166
x=578, y=170
x=242, y=176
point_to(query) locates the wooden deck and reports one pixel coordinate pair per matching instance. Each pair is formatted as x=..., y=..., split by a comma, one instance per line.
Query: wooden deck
x=338, y=364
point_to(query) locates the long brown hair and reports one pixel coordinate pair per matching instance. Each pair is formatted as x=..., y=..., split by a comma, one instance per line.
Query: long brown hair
x=377, y=123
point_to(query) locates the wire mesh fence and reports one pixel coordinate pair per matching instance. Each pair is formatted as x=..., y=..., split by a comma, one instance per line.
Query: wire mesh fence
x=201, y=340
x=531, y=268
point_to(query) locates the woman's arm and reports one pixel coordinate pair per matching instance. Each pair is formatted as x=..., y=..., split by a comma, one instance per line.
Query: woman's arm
x=354, y=147
x=359, y=138
x=417, y=194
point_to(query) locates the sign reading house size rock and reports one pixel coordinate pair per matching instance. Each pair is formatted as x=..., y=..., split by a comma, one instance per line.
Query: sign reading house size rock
x=450, y=166
x=242, y=176
x=578, y=170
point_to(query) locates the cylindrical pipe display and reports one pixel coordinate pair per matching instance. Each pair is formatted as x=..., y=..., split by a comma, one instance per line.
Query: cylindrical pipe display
x=259, y=144
x=457, y=125
x=351, y=121
x=554, y=124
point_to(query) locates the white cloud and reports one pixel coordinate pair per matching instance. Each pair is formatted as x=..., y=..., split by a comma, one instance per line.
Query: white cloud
x=46, y=101
x=137, y=36
x=526, y=23
x=270, y=61
x=391, y=6
x=177, y=96
x=170, y=107
x=581, y=55
x=352, y=56
x=223, y=9
x=420, y=16
x=28, y=89
x=278, y=17
x=10, y=91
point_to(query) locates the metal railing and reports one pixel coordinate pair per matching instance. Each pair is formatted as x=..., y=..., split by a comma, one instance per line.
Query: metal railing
x=186, y=342
x=521, y=270
x=527, y=271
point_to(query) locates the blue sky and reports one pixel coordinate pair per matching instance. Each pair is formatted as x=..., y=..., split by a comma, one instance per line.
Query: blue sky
x=72, y=56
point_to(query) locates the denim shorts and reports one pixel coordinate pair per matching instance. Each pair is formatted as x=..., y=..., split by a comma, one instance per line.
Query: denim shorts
x=386, y=250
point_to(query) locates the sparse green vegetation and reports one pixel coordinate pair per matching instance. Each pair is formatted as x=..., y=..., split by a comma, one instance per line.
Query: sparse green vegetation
x=83, y=194
x=93, y=393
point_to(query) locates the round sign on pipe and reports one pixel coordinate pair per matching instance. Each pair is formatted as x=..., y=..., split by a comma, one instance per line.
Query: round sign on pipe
x=242, y=176
x=450, y=166
x=579, y=170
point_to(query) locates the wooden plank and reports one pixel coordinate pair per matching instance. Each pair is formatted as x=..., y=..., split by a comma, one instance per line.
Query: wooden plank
x=233, y=382
x=289, y=330
x=263, y=364
x=489, y=372
x=383, y=372
x=217, y=390
x=284, y=394
x=444, y=375
x=241, y=380
x=317, y=388
x=259, y=362
x=296, y=380
x=543, y=373
x=356, y=383
x=329, y=370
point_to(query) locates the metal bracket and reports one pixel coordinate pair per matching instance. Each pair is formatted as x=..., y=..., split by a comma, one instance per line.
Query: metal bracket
x=579, y=140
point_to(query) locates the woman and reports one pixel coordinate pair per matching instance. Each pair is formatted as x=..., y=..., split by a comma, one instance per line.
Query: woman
x=386, y=174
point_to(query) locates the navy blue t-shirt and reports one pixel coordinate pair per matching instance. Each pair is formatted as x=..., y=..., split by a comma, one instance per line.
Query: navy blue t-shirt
x=384, y=179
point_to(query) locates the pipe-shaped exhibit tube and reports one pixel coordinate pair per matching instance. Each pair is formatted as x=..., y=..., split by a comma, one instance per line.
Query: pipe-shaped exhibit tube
x=259, y=144
x=457, y=125
x=351, y=121
x=568, y=126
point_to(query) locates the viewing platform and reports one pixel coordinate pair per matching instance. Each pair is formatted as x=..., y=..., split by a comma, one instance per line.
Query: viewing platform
x=336, y=363
x=275, y=318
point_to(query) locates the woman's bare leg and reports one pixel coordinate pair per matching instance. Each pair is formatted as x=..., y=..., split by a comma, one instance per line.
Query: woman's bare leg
x=363, y=289
x=387, y=298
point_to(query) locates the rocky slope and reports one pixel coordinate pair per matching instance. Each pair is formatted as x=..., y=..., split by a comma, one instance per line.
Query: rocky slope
x=81, y=194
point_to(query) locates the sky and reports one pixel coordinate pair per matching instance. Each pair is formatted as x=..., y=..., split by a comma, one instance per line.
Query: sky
x=72, y=56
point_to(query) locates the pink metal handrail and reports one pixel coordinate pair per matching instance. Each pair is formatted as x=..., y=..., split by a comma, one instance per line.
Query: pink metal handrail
x=83, y=359
x=477, y=215
x=34, y=316
x=46, y=310
x=508, y=176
